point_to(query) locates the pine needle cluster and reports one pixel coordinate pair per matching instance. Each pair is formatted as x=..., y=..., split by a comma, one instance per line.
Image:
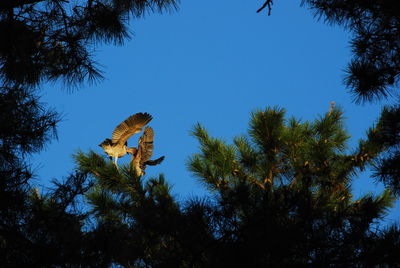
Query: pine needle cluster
x=280, y=196
x=48, y=40
x=284, y=191
x=374, y=71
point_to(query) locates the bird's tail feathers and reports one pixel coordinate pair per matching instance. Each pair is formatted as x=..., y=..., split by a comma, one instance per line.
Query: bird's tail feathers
x=154, y=162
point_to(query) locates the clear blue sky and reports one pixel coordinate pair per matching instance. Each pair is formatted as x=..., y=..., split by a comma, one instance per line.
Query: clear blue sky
x=211, y=62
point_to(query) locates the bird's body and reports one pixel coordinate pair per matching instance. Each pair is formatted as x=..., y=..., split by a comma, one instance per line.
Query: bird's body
x=113, y=151
x=136, y=157
x=116, y=147
x=141, y=155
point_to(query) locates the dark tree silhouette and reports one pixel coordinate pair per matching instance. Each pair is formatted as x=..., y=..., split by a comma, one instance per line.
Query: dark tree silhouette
x=54, y=39
x=25, y=128
x=387, y=167
x=35, y=230
x=280, y=196
x=48, y=40
x=374, y=72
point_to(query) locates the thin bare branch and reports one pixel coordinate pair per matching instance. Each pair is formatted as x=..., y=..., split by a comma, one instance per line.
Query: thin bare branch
x=268, y=4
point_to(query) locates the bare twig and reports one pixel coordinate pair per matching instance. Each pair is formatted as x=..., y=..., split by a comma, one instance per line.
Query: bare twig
x=268, y=4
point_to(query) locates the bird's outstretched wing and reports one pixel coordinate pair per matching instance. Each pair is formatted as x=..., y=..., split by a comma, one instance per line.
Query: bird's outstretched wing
x=141, y=156
x=146, y=145
x=130, y=126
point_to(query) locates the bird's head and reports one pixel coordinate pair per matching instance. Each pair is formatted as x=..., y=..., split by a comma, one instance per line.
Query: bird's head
x=105, y=143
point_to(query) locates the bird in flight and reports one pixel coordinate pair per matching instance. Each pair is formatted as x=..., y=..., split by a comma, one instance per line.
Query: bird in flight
x=141, y=155
x=117, y=146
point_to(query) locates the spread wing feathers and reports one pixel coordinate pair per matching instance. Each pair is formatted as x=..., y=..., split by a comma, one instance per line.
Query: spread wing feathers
x=146, y=145
x=141, y=156
x=130, y=126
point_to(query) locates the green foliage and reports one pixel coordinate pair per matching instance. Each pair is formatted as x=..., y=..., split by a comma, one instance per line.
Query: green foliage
x=45, y=229
x=387, y=168
x=25, y=127
x=284, y=192
x=280, y=152
x=47, y=40
x=41, y=41
x=145, y=211
x=281, y=196
x=373, y=73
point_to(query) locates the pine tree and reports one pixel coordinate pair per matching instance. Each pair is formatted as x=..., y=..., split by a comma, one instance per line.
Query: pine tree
x=284, y=193
x=373, y=73
x=387, y=168
x=138, y=222
x=46, y=40
x=280, y=196
x=36, y=229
